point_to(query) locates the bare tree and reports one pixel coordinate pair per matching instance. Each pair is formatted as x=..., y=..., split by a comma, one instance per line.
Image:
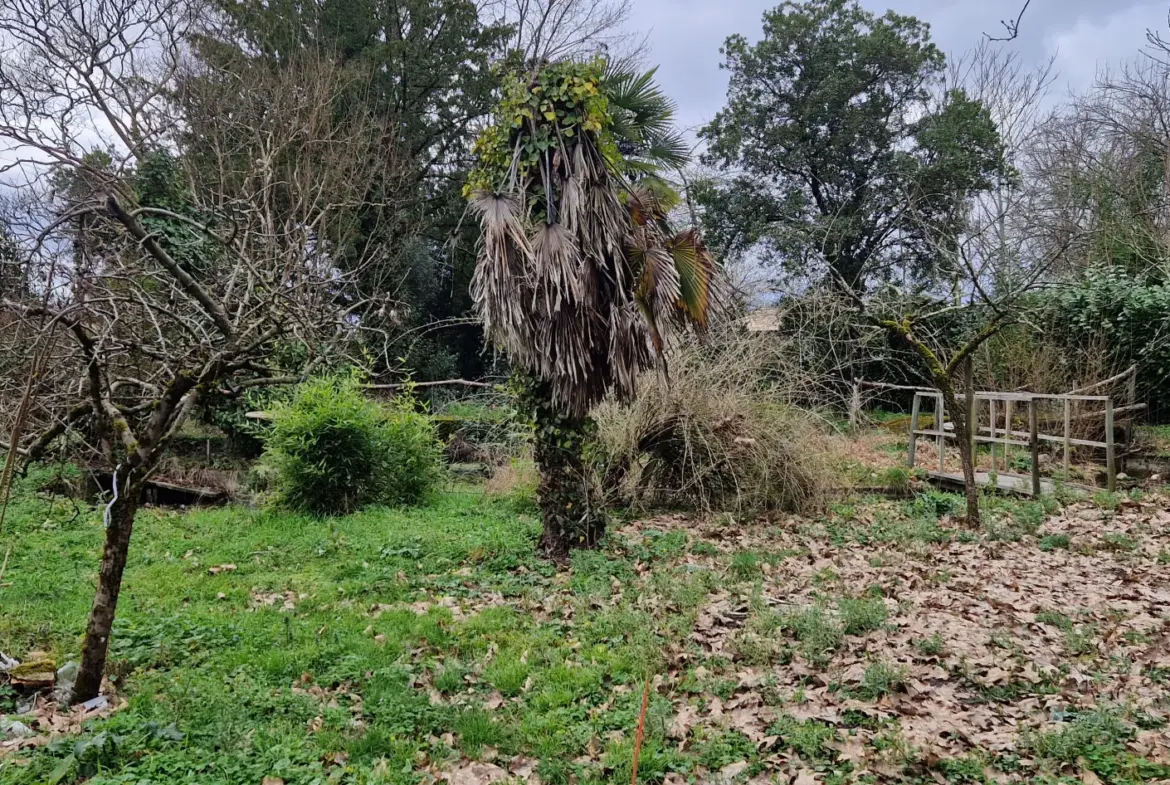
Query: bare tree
x=1099, y=169
x=989, y=257
x=555, y=29
x=1011, y=26
x=155, y=278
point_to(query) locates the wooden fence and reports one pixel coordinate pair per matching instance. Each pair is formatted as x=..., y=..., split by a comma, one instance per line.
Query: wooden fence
x=1002, y=404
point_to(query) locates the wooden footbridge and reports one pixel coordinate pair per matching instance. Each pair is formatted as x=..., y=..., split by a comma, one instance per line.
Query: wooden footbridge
x=1004, y=420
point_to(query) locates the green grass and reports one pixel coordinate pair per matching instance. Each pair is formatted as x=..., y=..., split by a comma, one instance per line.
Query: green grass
x=746, y=565
x=818, y=633
x=232, y=675
x=329, y=640
x=1096, y=741
x=881, y=679
x=932, y=646
x=1052, y=542
x=397, y=639
x=862, y=615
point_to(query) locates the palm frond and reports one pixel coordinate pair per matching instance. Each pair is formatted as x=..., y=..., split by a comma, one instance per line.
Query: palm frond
x=556, y=261
x=580, y=278
x=643, y=116
x=505, y=258
x=700, y=291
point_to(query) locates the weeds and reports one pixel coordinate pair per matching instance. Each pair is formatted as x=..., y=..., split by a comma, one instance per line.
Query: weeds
x=819, y=634
x=932, y=646
x=746, y=565
x=881, y=679
x=1052, y=542
x=476, y=729
x=859, y=616
x=810, y=739
x=1118, y=543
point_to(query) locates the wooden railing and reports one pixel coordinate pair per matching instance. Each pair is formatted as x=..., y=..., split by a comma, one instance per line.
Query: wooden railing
x=1002, y=404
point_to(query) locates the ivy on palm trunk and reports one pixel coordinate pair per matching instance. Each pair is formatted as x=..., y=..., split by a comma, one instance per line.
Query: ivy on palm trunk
x=580, y=278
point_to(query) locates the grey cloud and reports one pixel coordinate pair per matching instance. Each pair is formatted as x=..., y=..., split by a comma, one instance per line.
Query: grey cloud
x=1084, y=35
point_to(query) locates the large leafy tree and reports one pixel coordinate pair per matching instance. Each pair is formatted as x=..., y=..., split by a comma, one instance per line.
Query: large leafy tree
x=580, y=277
x=843, y=155
x=431, y=77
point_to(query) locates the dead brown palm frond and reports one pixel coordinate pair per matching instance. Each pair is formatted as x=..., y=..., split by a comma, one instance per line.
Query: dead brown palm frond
x=502, y=276
x=556, y=268
x=658, y=291
x=579, y=278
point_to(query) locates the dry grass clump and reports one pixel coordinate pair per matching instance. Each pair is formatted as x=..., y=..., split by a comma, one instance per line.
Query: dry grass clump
x=516, y=481
x=722, y=435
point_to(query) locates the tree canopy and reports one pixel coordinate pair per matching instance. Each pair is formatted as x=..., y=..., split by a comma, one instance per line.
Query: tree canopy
x=842, y=153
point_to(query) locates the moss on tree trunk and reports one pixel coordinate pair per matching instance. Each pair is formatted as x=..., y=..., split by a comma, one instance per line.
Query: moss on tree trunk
x=105, y=601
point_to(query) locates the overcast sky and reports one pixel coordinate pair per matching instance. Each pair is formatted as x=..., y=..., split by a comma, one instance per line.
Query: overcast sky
x=685, y=36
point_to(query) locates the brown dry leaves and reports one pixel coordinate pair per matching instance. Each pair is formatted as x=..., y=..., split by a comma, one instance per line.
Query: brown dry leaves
x=49, y=720
x=1025, y=634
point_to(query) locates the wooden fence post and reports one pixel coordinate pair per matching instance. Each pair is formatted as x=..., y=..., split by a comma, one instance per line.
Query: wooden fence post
x=913, y=428
x=1034, y=445
x=855, y=406
x=1111, y=468
x=1007, y=435
x=1067, y=436
x=991, y=404
x=1130, y=402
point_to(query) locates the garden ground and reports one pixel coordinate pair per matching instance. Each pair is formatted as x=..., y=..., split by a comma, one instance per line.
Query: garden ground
x=878, y=642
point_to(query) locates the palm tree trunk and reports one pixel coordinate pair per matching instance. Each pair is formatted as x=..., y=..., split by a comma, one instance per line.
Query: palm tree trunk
x=105, y=600
x=572, y=517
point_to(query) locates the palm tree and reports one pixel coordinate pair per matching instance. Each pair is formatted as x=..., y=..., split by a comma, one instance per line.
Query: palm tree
x=580, y=278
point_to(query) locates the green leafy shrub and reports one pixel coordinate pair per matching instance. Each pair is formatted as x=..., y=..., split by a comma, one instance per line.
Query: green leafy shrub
x=334, y=451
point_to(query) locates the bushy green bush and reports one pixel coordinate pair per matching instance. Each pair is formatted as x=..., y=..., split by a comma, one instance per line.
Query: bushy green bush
x=334, y=451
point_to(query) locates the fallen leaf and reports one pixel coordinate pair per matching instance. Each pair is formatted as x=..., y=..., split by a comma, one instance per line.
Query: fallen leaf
x=733, y=770
x=686, y=719
x=475, y=773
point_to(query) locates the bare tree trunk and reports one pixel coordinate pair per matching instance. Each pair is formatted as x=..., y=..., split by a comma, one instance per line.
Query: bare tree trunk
x=962, y=420
x=105, y=601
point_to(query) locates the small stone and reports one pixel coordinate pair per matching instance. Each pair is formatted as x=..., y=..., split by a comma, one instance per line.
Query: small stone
x=1122, y=476
x=221, y=596
x=96, y=704
x=16, y=730
x=68, y=672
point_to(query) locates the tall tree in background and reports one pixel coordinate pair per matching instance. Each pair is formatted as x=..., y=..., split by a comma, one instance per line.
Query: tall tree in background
x=557, y=29
x=843, y=158
x=432, y=77
x=580, y=277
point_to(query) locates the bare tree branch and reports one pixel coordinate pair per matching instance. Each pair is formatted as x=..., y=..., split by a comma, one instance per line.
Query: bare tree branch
x=1011, y=26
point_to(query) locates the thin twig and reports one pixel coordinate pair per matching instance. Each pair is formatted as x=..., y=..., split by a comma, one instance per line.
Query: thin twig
x=1013, y=28
x=641, y=731
x=4, y=566
x=445, y=382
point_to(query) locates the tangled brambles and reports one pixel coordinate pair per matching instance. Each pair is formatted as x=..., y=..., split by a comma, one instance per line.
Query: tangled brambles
x=722, y=435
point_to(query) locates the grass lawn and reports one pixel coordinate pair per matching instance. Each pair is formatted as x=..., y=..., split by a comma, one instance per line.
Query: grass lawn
x=877, y=643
